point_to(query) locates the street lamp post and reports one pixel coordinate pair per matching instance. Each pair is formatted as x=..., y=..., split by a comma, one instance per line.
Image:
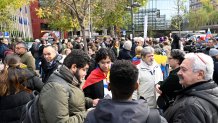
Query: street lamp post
x=132, y=23
x=133, y=5
x=90, y=21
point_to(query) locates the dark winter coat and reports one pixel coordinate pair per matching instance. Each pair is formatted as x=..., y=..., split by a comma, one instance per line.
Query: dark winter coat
x=35, y=50
x=215, y=73
x=176, y=43
x=3, y=48
x=197, y=103
x=48, y=68
x=169, y=87
x=111, y=111
x=33, y=81
x=11, y=105
x=124, y=54
x=95, y=91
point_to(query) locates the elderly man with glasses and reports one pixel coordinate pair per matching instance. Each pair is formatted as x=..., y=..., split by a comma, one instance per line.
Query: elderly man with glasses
x=198, y=101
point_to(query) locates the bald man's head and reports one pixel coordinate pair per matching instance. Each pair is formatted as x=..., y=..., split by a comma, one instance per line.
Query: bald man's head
x=49, y=53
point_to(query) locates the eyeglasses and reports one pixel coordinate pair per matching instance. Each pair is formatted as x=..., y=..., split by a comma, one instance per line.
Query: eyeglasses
x=137, y=42
x=19, y=48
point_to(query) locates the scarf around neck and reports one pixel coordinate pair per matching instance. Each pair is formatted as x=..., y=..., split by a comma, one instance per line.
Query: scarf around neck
x=68, y=76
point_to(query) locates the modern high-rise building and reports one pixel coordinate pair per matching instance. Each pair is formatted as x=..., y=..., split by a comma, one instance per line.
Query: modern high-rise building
x=158, y=17
x=155, y=20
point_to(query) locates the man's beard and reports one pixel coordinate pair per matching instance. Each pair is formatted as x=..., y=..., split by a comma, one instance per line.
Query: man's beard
x=150, y=63
x=78, y=76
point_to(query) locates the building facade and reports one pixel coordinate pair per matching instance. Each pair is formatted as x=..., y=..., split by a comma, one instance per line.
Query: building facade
x=22, y=26
x=155, y=20
x=38, y=25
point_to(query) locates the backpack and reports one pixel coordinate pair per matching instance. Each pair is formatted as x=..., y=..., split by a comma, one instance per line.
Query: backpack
x=30, y=113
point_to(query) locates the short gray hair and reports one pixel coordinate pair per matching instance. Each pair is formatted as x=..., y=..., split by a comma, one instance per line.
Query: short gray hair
x=141, y=39
x=201, y=61
x=147, y=50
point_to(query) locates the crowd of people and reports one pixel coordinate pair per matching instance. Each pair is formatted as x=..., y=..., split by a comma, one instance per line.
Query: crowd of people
x=117, y=81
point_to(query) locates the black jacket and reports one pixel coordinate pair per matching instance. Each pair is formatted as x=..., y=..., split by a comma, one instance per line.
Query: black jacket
x=169, y=87
x=11, y=107
x=124, y=54
x=215, y=73
x=197, y=103
x=95, y=91
x=48, y=68
x=171, y=84
x=33, y=81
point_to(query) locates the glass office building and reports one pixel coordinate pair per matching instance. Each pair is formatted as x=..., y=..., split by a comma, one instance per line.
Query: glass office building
x=158, y=16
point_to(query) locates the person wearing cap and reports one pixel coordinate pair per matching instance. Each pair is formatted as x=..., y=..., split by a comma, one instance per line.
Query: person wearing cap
x=125, y=52
x=214, y=54
x=26, y=57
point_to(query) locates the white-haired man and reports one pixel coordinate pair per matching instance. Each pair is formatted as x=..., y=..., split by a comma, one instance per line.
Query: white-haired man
x=149, y=74
x=139, y=41
x=198, y=101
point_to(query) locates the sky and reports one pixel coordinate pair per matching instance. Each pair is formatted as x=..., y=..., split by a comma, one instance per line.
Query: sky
x=167, y=7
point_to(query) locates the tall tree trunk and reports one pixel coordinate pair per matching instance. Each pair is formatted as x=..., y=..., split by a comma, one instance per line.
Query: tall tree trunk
x=82, y=26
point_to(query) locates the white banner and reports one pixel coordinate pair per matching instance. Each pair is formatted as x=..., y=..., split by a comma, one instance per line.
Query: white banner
x=145, y=26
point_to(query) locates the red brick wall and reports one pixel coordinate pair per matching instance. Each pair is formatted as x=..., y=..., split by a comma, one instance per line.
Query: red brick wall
x=35, y=20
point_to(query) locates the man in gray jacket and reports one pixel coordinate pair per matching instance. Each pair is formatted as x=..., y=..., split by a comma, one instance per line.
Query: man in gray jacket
x=61, y=100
